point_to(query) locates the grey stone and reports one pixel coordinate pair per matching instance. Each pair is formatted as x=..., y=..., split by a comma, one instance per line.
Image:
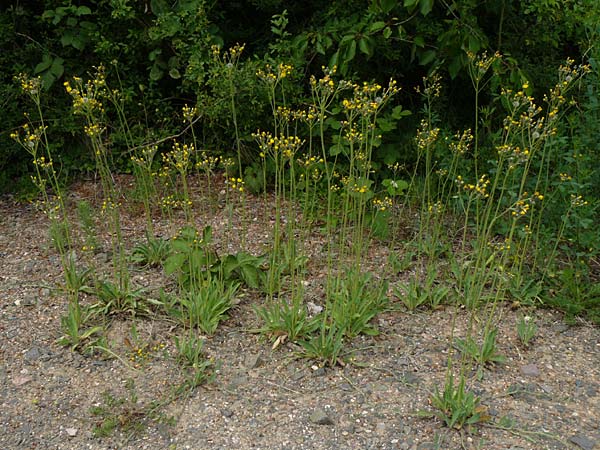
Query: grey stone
x=530, y=370
x=319, y=372
x=253, y=361
x=33, y=354
x=585, y=442
x=298, y=375
x=227, y=412
x=380, y=428
x=30, y=300
x=102, y=257
x=238, y=381
x=320, y=417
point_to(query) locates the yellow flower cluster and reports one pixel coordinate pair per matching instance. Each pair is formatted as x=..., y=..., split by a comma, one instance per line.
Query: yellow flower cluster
x=480, y=64
x=521, y=208
x=207, y=162
x=109, y=205
x=396, y=167
x=144, y=353
x=435, y=208
x=382, y=204
x=170, y=202
x=189, y=113
x=357, y=188
x=513, y=154
x=578, y=201
x=368, y=98
x=273, y=145
x=30, y=138
x=432, y=86
x=326, y=83
x=179, y=157
x=29, y=85
x=42, y=163
x=93, y=130
x=565, y=177
x=461, y=142
x=272, y=75
x=351, y=133
x=146, y=157
x=523, y=205
x=480, y=188
x=426, y=136
x=500, y=246
x=235, y=184
x=310, y=161
x=86, y=96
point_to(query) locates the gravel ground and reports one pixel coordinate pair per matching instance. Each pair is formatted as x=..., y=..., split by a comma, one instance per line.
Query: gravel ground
x=546, y=396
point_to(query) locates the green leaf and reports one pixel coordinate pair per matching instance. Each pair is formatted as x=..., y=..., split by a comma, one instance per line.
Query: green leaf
x=333, y=61
x=426, y=57
x=159, y=7
x=365, y=44
x=250, y=275
x=44, y=65
x=57, y=68
x=387, y=5
x=174, y=73
x=174, y=262
x=83, y=11
x=426, y=6
x=387, y=32
x=455, y=67
x=398, y=112
x=377, y=26
x=350, y=52
x=207, y=235
x=336, y=149
x=419, y=41
x=474, y=44
x=385, y=124
x=156, y=73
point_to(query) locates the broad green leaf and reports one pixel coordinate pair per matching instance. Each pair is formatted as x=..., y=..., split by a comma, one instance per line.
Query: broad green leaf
x=57, y=68
x=365, y=45
x=156, y=73
x=83, y=11
x=398, y=112
x=455, y=67
x=174, y=262
x=44, y=65
x=388, y=5
x=426, y=6
x=426, y=57
x=377, y=26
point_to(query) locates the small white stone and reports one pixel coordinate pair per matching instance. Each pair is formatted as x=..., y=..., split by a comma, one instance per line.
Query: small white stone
x=72, y=432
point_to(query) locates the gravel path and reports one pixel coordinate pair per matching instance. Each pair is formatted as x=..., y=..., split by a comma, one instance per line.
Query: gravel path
x=544, y=397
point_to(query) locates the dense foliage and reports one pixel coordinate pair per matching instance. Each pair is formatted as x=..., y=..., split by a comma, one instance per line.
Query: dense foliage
x=160, y=55
x=160, y=52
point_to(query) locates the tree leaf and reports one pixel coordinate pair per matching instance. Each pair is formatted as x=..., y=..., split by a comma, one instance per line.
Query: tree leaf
x=45, y=64
x=426, y=6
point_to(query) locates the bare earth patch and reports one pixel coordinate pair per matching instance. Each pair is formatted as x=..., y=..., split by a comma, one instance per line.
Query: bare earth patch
x=543, y=397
